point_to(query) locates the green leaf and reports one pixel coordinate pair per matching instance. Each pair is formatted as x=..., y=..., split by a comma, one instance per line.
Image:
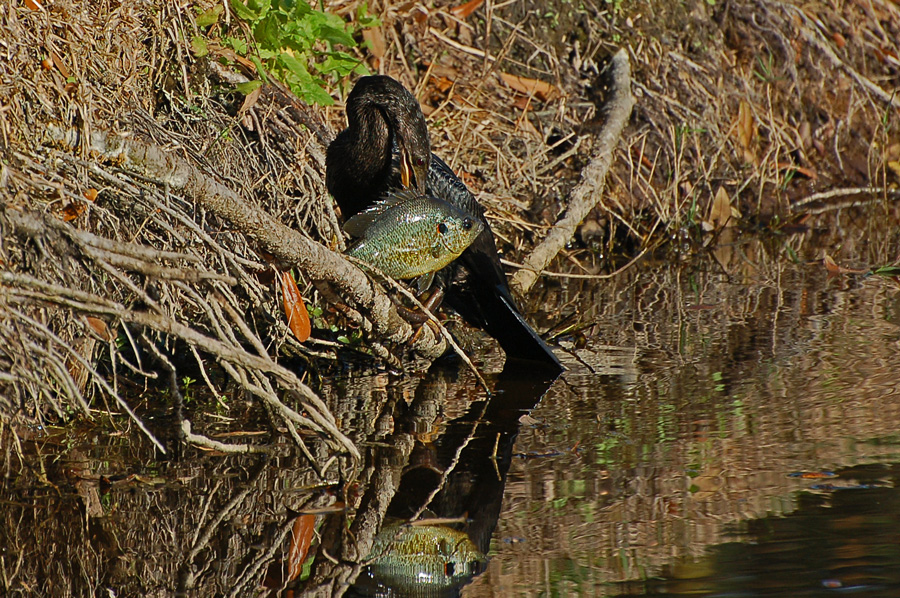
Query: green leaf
x=363, y=17
x=198, y=46
x=260, y=69
x=210, y=17
x=340, y=64
x=238, y=45
x=243, y=11
x=887, y=271
x=248, y=87
x=335, y=34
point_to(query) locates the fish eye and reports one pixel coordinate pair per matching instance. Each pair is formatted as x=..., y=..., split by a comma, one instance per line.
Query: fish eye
x=442, y=228
x=467, y=224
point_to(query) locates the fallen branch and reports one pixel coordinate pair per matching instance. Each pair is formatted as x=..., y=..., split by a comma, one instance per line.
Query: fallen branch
x=588, y=191
x=287, y=245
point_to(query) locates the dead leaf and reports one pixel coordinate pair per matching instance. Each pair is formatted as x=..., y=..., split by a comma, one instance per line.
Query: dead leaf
x=375, y=39
x=250, y=100
x=540, y=89
x=73, y=210
x=91, y=194
x=894, y=166
x=294, y=308
x=34, y=5
x=464, y=10
x=834, y=269
x=720, y=210
x=801, y=170
x=442, y=84
x=746, y=131
x=301, y=540
x=839, y=40
x=60, y=66
x=100, y=328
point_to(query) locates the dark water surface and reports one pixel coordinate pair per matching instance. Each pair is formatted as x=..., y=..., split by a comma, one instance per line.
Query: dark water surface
x=717, y=437
x=719, y=432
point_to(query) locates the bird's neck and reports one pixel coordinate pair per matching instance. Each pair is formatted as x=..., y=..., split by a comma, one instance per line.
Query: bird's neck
x=371, y=135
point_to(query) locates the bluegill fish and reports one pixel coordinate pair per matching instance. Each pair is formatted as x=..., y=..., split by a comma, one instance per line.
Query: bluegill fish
x=423, y=556
x=408, y=235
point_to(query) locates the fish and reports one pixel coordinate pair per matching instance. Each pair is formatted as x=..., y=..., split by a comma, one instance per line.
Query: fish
x=411, y=235
x=423, y=558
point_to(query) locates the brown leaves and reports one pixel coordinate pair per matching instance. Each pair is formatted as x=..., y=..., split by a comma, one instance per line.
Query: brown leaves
x=74, y=209
x=541, y=90
x=100, y=328
x=746, y=131
x=464, y=10
x=375, y=39
x=721, y=212
x=301, y=540
x=294, y=308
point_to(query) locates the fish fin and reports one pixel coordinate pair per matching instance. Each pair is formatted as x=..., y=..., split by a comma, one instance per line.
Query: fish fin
x=357, y=225
x=424, y=281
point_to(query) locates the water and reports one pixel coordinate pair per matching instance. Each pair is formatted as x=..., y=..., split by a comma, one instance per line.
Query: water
x=718, y=433
x=736, y=440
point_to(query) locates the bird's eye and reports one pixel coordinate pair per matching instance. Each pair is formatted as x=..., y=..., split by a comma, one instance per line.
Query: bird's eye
x=442, y=228
x=420, y=161
x=467, y=224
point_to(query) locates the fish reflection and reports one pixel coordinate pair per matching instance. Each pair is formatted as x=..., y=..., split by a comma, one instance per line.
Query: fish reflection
x=431, y=560
x=458, y=476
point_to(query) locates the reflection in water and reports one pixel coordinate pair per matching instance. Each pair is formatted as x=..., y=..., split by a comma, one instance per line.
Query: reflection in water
x=834, y=543
x=420, y=560
x=646, y=476
x=662, y=462
x=458, y=474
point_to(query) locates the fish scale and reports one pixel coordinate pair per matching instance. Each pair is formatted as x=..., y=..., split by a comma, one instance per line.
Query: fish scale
x=408, y=235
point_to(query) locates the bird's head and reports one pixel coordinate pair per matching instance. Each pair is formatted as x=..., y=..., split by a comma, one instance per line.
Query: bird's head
x=379, y=103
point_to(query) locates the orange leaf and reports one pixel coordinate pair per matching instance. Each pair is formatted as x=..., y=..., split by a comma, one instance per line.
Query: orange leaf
x=91, y=194
x=34, y=5
x=801, y=170
x=839, y=40
x=301, y=539
x=540, y=89
x=464, y=10
x=294, y=308
x=73, y=210
x=100, y=327
x=60, y=65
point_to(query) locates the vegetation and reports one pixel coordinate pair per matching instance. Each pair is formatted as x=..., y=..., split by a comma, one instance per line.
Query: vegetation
x=290, y=40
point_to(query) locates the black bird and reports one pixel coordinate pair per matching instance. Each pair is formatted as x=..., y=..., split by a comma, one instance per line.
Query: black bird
x=386, y=145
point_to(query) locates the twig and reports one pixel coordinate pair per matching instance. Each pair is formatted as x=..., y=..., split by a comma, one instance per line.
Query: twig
x=823, y=195
x=810, y=32
x=219, y=446
x=586, y=195
x=613, y=274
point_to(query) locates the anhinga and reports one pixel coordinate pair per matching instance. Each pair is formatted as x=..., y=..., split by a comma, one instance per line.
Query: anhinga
x=386, y=145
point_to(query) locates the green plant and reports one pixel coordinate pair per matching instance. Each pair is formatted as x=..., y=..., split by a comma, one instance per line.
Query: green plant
x=295, y=43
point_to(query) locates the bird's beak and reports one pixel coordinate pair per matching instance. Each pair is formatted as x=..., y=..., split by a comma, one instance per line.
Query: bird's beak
x=410, y=176
x=406, y=170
